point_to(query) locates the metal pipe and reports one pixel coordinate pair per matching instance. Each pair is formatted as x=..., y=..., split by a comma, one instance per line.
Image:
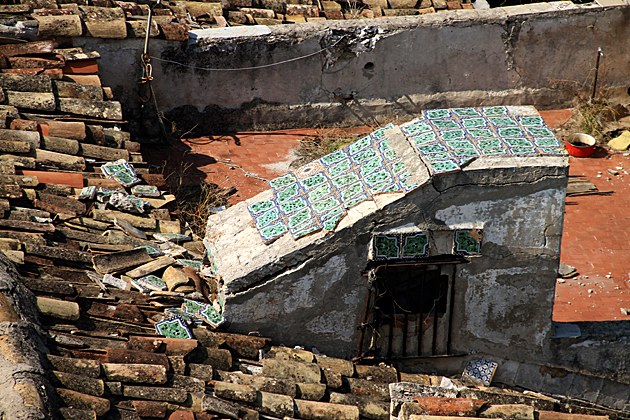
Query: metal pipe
x=362, y=326
x=450, y=312
x=599, y=54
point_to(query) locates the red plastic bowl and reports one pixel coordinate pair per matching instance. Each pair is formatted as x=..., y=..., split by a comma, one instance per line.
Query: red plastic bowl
x=580, y=145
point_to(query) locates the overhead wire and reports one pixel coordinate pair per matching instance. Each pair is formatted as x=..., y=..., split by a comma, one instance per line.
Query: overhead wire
x=250, y=68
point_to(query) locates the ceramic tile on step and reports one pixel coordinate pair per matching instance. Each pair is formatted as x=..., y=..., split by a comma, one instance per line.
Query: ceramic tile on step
x=493, y=111
x=443, y=166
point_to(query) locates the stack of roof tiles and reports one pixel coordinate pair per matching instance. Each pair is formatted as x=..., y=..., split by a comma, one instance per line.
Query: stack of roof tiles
x=37, y=19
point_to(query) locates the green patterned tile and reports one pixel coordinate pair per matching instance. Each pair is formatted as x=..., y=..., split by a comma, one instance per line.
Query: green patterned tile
x=503, y=121
x=351, y=191
x=529, y=121
x=292, y=205
x=466, y=112
x=416, y=128
x=539, y=131
x=445, y=124
x=371, y=166
x=345, y=179
x=518, y=142
x=437, y=156
x=288, y=193
x=437, y=113
x=453, y=134
x=461, y=145
x=414, y=245
x=378, y=177
x=489, y=143
x=313, y=181
x=299, y=218
x=443, y=166
x=325, y=205
x=272, y=231
x=465, y=153
x=547, y=142
x=267, y=218
x=319, y=192
x=497, y=151
x=390, y=154
x=350, y=203
x=359, y=145
x=494, y=110
x=386, y=247
x=339, y=168
x=523, y=150
x=364, y=155
x=474, y=122
x=260, y=206
x=510, y=132
x=282, y=181
x=331, y=221
x=334, y=157
x=424, y=138
x=481, y=132
x=426, y=149
x=384, y=145
x=398, y=167
x=553, y=150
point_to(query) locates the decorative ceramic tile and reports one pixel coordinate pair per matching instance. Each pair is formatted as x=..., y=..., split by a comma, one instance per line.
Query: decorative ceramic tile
x=414, y=245
x=210, y=315
x=88, y=193
x=121, y=171
x=171, y=237
x=154, y=252
x=395, y=246
x=173, y=328
x=152, y=282
x=145, y=191
x=447, y=139
x=139, y=287
x=187, y=318
x=386, y=247
x=195, y=265
x=481, y=370
x=467, y=241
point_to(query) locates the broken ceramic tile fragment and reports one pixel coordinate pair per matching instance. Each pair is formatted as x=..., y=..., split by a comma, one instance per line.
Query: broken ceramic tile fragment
x=151, y=282
x=130, y=230
x=171, y=237
x=154, y=252
x=173, y=328
x=195, y=265
x=87, y=193
x=145, y=191
x=120, y=171
x=480, y=370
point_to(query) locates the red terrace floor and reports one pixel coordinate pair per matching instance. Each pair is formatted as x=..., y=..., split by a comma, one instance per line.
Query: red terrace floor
x=245, y=160
x=594, y=238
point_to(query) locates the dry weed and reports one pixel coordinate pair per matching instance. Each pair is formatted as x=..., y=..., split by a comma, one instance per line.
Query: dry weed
x=326, y=142
x=193, y=198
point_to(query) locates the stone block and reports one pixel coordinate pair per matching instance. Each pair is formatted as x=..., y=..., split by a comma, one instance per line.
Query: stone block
x=415, y=378
x=275, y=404
x=381, y=373
x=135, y=373
x=301, y=9
x=286, y=353
x=361, y=387
x=341, y=366
x=236, y=392
x=288, y=369
x=402, y=4
x=333, y=15
x=312, y=410
x=400, y=12
x=261, y=383
x=508, y=412
x=311, y=392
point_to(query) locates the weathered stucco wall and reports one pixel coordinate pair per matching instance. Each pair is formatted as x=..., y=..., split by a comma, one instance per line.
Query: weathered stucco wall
x=384, y=67
x=310, y=291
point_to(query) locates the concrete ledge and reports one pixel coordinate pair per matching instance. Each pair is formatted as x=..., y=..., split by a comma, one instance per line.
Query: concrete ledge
x=372, y=69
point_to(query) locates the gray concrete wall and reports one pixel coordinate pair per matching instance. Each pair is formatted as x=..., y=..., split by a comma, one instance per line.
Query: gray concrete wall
x=310, y=292
x=385, y=68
